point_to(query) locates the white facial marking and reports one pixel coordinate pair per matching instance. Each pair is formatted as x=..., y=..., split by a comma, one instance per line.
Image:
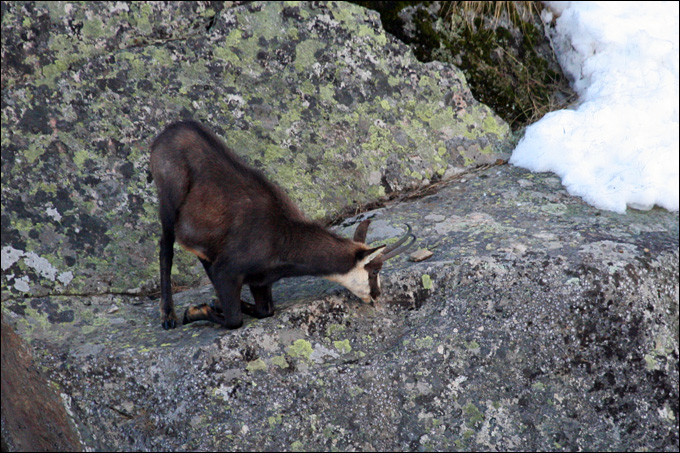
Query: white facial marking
x=356, y=280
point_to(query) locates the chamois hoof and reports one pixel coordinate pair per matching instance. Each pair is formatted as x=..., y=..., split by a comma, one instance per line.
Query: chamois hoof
x=168, y=319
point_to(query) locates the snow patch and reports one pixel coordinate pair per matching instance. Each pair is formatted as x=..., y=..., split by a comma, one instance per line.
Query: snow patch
x=619, y=147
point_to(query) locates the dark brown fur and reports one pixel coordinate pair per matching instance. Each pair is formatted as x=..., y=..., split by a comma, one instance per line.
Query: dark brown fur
x=244, y=229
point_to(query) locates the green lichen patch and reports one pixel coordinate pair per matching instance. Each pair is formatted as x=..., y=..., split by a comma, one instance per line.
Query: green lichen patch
x=256, y=365
x=343, y=346
x=280, y=361
x=425, y=342
x=334, y=328
x=473, y=415
x=300, y=349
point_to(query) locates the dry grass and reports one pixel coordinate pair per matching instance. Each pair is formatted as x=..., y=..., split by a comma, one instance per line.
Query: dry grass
x=515, y=11
x=506, y=69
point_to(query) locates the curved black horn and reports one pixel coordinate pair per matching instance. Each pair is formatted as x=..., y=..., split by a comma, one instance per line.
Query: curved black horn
x=397, y=248
x=403, y=248
x=401, y=240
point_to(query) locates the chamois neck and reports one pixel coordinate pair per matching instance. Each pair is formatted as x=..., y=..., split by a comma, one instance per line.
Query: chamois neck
x=317, y=251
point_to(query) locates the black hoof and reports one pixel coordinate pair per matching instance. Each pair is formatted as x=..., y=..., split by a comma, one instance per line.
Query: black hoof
x=169, y=324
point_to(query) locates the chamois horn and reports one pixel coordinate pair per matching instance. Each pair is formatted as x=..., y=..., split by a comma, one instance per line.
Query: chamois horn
x=397, y=248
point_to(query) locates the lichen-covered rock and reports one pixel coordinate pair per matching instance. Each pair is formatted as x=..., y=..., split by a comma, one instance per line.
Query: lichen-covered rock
x=539, y=323
x=44, y=40
x=315, y=94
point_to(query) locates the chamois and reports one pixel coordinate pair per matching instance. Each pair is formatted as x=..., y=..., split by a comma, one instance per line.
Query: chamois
x=245, y=230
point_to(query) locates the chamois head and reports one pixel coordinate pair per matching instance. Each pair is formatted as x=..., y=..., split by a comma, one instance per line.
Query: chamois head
x=363, y=279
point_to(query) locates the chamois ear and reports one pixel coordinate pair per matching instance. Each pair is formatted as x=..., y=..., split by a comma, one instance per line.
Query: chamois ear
x=362, y=230
x=368, y=255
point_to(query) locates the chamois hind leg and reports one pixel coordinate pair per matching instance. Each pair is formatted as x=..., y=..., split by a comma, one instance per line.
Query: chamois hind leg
x=264, y=304
x=167, y=306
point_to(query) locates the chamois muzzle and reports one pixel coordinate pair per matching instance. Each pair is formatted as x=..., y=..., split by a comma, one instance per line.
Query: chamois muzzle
x=399, y=246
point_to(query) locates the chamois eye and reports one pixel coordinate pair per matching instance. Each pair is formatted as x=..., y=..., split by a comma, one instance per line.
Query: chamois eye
x=375, y=271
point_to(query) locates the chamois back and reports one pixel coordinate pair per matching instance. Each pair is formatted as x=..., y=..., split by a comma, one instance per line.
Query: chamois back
x=213, y=196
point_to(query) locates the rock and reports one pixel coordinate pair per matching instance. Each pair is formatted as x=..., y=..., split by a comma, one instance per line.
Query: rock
x=315, y=94
x=540, y=324
x=33, y=415
x=502, y=48
x=420, y=255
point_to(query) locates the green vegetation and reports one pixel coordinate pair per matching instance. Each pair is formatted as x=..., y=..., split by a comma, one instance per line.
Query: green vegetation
x=500, y=47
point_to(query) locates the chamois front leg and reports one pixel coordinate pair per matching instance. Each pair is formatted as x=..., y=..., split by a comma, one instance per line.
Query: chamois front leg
x=264, y=304
x=207, y=265
x=167, y=307
x=227, y=311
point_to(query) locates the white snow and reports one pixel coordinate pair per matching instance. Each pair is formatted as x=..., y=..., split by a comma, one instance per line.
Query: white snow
x=618, y=147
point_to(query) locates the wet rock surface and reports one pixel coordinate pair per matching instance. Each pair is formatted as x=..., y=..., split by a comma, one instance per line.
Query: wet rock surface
x=315, y=94
x=539, y=323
